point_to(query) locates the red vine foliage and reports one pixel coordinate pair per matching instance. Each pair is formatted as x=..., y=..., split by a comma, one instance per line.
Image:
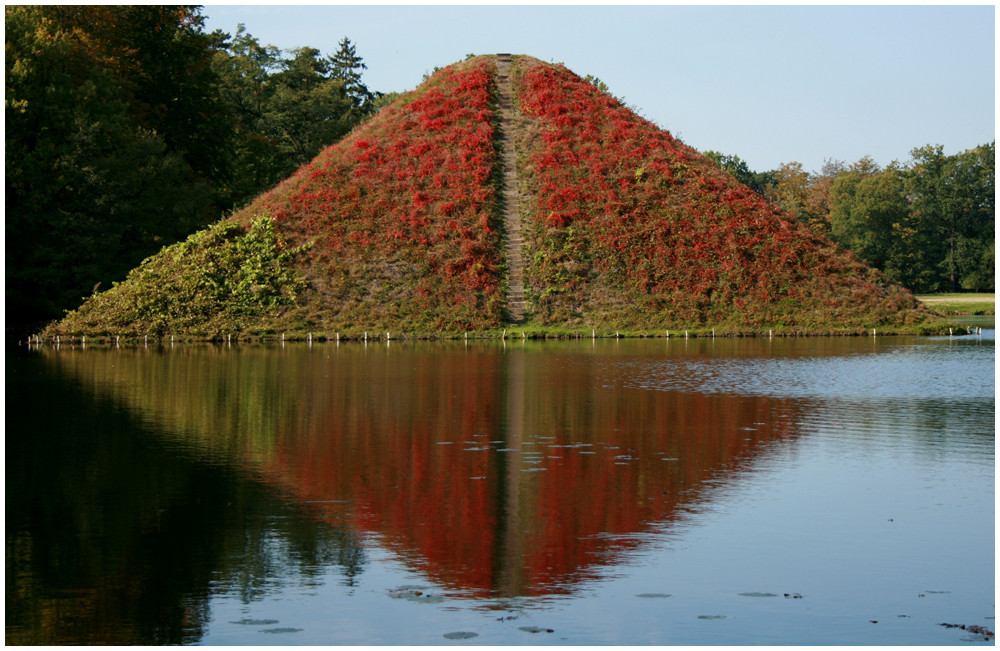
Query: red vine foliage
x=634, y=228
x=402, y=212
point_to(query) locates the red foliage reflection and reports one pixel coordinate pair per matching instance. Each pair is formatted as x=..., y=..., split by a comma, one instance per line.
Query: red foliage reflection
x=490, y=485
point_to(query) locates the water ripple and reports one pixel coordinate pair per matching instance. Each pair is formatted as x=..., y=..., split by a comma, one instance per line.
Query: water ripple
x=917, y=371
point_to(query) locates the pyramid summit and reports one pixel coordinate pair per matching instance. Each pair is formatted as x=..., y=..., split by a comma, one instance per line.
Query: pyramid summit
x=503, y=190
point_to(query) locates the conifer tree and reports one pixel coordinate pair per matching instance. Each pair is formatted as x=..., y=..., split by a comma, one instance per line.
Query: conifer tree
x=347, y=67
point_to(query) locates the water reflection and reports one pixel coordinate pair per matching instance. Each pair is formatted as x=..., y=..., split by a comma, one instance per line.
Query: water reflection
x=169, y=475
x=500, y=473
x=113, y=537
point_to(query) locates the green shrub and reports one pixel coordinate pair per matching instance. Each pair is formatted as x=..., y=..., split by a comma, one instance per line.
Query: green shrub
x=227, y=278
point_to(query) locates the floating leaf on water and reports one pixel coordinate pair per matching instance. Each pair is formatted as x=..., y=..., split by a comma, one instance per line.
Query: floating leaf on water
x=415, y=593
x=535, y=629
x=280, y=630
x=712, y=616
x=757, y=594
x=937, y=591
x=461, y=635
x=407, y=588
x=653, y=595
x=255, y=622
x=405, y=591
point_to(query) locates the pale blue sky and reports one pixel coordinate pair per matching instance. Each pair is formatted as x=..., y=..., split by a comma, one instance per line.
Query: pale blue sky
x=770, y=84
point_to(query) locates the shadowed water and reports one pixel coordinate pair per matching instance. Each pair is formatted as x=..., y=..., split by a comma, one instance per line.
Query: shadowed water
x=764, y=491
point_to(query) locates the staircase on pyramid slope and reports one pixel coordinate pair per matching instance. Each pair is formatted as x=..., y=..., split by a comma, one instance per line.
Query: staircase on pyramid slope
x=516, y=303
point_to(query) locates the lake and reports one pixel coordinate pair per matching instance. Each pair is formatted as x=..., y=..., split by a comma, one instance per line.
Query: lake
x=787, y=491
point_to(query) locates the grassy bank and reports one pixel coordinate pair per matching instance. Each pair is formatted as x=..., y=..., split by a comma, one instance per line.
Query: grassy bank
x=960, y=303
x=528, y=331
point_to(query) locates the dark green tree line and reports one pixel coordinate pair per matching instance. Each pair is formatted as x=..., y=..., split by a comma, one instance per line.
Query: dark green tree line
x=284, y=110
x=130, y=127
x=929, y=225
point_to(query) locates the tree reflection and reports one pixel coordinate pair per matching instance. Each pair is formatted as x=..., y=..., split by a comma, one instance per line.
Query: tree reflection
x=114, y=538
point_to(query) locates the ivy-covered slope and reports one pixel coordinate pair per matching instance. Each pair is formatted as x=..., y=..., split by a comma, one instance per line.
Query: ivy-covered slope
x=399, y=227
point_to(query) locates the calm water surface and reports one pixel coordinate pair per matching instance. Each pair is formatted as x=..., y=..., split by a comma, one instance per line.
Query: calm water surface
x=786, y=491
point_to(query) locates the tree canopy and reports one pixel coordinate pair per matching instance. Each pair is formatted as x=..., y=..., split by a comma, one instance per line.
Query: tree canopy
x=129, y=128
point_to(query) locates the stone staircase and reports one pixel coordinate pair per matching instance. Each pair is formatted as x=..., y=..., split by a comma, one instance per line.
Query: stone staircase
x=516, y=303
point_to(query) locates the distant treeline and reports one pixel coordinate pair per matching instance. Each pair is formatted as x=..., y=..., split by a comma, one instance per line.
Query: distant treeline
x=130, y=127
x=928, y=224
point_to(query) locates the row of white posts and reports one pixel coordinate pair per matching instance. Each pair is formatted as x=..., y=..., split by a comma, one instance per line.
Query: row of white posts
x=524, y=335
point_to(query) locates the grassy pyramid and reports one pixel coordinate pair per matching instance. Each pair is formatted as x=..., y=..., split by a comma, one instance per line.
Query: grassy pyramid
x=400, y=227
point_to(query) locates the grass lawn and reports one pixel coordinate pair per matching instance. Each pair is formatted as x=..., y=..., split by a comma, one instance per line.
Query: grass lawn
x=960, y=303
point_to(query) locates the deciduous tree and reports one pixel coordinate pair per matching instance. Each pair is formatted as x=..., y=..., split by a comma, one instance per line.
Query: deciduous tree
x=94, y=182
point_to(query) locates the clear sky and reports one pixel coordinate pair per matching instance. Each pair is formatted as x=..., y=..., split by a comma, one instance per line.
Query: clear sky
x=770, y=84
